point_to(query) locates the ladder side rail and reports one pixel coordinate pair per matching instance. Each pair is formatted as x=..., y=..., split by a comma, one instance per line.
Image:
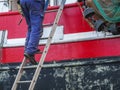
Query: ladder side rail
x=19, y=74
x=34, y=80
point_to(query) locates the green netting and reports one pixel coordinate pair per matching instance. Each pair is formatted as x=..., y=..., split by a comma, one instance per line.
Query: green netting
x=109, y=9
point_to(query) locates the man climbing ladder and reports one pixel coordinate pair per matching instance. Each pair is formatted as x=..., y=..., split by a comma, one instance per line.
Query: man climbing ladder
x=42, y=58
x=33, y=11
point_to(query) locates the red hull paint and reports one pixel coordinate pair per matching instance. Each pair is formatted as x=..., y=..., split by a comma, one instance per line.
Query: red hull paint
x=73, y=22
x=78, y=50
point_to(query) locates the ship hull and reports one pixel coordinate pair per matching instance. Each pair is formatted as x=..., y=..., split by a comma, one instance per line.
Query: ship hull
x=78, y=59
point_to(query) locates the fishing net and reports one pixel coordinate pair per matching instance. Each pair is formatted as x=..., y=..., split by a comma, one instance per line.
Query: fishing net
x=109, y=9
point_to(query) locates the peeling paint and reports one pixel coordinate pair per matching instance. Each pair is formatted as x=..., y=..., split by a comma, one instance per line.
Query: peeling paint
x=59, y=73
x=4, y=76
x=68, y=77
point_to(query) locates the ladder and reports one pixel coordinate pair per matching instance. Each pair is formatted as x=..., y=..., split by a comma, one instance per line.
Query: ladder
x=44, y=53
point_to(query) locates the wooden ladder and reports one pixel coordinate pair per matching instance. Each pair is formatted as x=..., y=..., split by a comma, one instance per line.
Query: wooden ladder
x=43, y=56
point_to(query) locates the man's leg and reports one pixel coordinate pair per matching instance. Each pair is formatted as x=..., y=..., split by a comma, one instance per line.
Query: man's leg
x=25, y=8
x=36, y=19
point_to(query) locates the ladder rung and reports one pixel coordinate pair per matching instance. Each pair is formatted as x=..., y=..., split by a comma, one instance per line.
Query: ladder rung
x=24, y=82
x=30, y=67
x=44, y=37
x=48, y=24
x=48, y=11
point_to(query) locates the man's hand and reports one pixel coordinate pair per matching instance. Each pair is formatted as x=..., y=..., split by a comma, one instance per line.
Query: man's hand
x=19, y=8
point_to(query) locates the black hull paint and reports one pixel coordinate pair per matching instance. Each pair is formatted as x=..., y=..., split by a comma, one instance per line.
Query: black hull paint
x=87, y=74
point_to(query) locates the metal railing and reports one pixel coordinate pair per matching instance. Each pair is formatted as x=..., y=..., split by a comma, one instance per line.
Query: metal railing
x=2, y=38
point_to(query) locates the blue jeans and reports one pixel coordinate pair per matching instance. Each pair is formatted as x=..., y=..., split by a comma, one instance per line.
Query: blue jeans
x=33, y=11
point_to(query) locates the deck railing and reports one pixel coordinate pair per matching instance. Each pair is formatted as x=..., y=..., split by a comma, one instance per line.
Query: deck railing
x=2, y=37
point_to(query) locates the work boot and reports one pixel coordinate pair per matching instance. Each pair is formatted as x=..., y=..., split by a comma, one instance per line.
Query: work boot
x=31, y=58
x=38, y=51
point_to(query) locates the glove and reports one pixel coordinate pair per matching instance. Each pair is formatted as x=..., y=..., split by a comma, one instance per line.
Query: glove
x=18, y=1
x=19, y=8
